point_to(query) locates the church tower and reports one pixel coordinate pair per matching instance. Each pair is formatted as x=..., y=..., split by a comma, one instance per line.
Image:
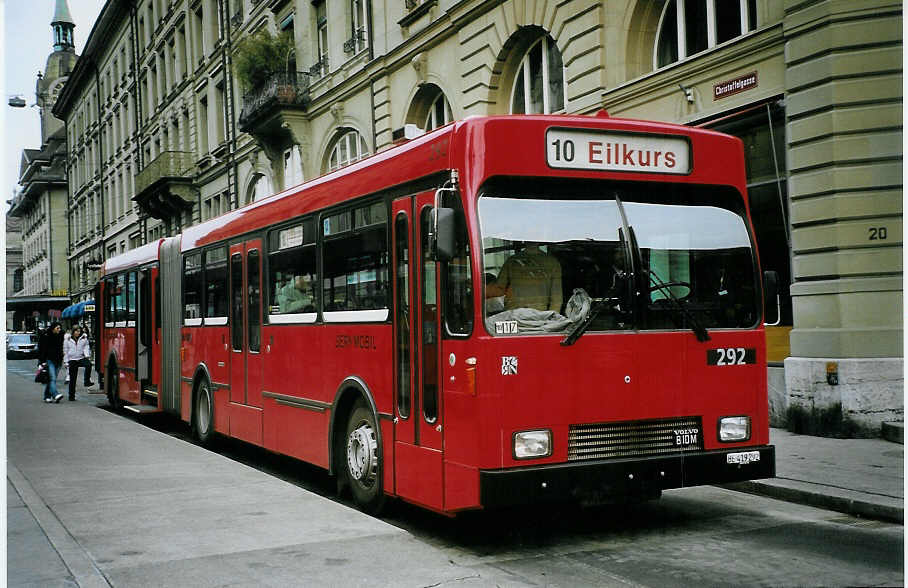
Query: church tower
x=59, y=65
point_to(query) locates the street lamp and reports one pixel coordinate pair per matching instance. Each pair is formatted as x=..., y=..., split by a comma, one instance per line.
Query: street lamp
x=17, y=102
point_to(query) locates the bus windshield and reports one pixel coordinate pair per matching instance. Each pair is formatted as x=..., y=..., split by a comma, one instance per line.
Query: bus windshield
x=550, y=256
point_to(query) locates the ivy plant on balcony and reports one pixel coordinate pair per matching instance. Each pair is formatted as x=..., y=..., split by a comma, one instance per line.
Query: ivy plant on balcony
x=261, y=55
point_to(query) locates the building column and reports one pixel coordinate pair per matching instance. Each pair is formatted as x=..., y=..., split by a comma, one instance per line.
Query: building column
x=844, y=103
x=160, y=74
x=179, y=47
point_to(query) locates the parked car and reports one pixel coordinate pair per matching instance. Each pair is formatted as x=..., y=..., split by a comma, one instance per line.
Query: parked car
x=21, y=345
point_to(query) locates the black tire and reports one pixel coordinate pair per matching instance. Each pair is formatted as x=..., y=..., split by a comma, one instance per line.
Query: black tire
x=203, y=413
x=362, y=464
x=113, y=388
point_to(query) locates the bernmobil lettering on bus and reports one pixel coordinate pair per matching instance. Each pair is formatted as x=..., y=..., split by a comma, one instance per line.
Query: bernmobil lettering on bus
x=591, y=150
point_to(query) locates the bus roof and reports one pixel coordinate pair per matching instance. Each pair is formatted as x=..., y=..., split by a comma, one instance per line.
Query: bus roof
x=362, y=177
x=508, y=145
x=133, y=258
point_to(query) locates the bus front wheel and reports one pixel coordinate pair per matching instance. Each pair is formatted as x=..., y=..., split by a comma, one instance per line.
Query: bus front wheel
x=203, y=415
x=363, y=466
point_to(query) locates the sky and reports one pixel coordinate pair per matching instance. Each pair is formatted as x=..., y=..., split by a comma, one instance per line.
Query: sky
x=26, y=40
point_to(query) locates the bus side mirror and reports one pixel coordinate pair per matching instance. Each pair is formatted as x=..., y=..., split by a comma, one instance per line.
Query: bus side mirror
x=771, y=298
x=444, y=234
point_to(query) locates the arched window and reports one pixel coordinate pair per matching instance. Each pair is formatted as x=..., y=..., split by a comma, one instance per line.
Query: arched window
x=439, y=113
x=539, y=82
x=688, y=27
x=293, y=167
x=350, y=146
x=259, y=188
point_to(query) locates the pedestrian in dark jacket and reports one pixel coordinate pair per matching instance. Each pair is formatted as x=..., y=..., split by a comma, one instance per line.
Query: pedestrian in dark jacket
x=50, y=353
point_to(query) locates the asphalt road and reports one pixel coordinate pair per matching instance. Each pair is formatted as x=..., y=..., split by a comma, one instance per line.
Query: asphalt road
x=693, y=537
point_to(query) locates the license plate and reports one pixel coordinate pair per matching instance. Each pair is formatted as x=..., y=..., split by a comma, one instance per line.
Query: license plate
x=744, y=457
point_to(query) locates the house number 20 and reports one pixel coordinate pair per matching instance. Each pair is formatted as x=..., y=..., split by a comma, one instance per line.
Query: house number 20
x=878, y=233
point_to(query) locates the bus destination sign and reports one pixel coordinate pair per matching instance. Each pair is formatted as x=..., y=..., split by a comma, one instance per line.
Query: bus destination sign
x=607, y=151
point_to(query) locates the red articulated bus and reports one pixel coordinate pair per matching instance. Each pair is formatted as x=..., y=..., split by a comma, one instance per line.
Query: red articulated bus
x=505, y=310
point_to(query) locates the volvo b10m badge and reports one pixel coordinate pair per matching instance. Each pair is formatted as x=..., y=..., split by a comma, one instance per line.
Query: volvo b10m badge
x=685, y=438
x=508, y=366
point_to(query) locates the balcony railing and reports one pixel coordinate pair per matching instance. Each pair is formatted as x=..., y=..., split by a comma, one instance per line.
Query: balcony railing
x=169, y=164
x=319, y=68
x=280, y=89
x=357, y=42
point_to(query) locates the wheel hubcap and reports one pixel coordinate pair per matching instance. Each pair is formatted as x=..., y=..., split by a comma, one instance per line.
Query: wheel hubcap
x=362, y=455
x=204, y=410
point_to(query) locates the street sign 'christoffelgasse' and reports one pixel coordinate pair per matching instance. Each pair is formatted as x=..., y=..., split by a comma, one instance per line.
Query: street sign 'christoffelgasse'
x=739, y=84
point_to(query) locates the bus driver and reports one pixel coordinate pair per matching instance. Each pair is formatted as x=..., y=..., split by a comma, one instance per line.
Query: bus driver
x=529, y=279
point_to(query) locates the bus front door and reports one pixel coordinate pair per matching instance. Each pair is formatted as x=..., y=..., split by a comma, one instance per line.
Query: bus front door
x=418, y=417
x=245, y=406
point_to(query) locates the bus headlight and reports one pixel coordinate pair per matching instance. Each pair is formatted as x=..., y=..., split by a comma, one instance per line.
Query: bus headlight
x=736, y=428
x=530, y=444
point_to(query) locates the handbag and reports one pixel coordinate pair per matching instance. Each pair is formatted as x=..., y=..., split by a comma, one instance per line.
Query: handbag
x=41, y=376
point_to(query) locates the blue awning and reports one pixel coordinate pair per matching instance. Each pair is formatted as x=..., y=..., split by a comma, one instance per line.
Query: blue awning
x=78, y=310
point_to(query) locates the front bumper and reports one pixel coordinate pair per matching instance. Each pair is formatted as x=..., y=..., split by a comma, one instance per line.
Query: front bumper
x=605, y=479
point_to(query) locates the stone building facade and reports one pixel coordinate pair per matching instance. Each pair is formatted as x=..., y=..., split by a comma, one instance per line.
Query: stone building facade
x=42, y=202
x=812, y=87
x=15, y=270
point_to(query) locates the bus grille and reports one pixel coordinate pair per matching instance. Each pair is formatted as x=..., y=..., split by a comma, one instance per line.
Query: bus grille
x=635, y=438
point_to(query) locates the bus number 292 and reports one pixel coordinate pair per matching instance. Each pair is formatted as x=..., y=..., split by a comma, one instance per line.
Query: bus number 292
x=731, y=356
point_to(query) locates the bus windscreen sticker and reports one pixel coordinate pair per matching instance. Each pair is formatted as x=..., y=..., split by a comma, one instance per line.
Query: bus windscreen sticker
x=505, y=327
x=606, y=151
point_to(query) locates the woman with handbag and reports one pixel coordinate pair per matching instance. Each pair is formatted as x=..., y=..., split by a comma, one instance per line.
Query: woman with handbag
x=50, y=353
x=79, y=354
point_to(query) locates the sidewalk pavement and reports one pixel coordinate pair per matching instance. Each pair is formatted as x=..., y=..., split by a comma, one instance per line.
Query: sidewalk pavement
x=95, y=500
x=860, y=477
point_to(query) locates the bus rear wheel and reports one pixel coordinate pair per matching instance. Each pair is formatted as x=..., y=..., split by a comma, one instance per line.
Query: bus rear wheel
x=363, y=466
x=203, y=415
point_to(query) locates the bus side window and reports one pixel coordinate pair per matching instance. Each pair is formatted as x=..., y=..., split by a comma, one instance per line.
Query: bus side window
x=356, y=263
x=192, y=287
x=291, y=281
x=216, y=283
x=131, y=300
x=120, y=299
x=109, y=308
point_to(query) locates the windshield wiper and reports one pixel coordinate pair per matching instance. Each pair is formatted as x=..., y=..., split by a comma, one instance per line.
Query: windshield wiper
x=596, y=305
x=698, y=329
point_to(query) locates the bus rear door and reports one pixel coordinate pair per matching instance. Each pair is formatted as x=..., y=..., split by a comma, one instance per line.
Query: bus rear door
x=418, y=427
x=245, y=407
x=145, y=325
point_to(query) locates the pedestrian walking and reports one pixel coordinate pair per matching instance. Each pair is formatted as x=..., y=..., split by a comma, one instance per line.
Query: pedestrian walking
x=78, y=356
x=63, y=374
x=50, y=353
